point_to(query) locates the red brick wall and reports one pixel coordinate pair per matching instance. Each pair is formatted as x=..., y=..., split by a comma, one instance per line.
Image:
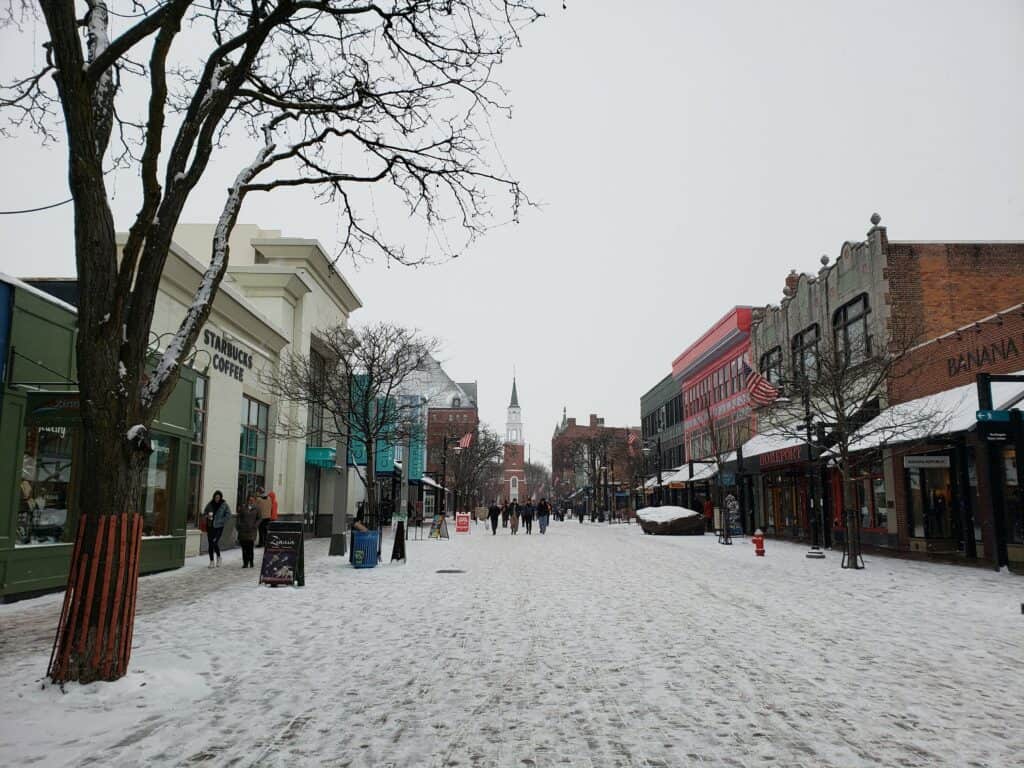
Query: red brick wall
x=936, y=287
x=451, y=422
x=994, y=346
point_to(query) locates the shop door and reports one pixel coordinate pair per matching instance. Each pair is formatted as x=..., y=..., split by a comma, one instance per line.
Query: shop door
x=777, y=521
x=311, y=498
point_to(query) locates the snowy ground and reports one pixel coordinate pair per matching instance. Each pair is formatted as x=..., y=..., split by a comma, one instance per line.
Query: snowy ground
x=591, y=646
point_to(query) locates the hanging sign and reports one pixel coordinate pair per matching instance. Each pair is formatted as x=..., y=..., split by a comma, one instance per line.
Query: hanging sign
x=926, y=462
x=462, y=522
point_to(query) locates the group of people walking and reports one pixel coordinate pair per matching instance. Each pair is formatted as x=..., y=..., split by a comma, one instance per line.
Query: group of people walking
x=253, y=517
x=512, y=513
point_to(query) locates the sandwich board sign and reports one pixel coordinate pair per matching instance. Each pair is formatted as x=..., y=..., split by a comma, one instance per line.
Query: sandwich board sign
x=283, y=561
x=438, y=528
x=462, y=522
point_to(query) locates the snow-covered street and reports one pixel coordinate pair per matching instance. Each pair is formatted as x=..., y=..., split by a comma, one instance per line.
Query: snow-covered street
x=591, y=646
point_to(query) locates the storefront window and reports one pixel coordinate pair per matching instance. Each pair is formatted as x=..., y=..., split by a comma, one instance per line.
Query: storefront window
x=252, y=448
x=46, y=486
x=931, y=502
x=881, y=510
x=1014, y=504
x=195, y=463
x=157, y=490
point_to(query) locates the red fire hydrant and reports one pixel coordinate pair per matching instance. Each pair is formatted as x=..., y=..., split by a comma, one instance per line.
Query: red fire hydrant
x=758, y=539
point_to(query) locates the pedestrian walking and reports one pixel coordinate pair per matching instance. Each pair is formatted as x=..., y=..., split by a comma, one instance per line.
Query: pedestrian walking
x=247, y=526
x=528, y=517
x=513, y=517
x=267, y=501
x=709, y=513
x=494, y=512
x=543, y=515
x=504, y=515
x=216, y=513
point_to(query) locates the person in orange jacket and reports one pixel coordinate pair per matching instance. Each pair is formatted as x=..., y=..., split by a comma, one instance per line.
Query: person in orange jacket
x=268, y=511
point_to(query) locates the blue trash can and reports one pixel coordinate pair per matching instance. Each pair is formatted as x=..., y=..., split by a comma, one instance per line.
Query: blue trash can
x=364, y=549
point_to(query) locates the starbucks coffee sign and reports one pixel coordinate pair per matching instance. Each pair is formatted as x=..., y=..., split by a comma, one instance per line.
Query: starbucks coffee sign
x=228, y=357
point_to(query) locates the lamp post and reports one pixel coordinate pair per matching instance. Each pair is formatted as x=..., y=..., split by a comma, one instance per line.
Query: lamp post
x=815, y=552
x=613, y=501
x=444, y=468
x=655, y=446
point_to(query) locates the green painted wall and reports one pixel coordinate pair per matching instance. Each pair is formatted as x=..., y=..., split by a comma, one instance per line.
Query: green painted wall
x=43, y=341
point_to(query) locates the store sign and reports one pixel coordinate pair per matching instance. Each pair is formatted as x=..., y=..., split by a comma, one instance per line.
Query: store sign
x=926, y=462
x=228, y=358
x=789, y=455
x=983, y=357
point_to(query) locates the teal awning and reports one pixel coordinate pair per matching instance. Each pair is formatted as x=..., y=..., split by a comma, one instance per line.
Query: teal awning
x=321, y=457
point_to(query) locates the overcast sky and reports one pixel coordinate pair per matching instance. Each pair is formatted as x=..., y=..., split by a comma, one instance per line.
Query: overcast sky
x=689, y=154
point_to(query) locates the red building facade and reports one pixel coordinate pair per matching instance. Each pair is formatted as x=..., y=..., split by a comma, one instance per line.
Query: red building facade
x=717, y=414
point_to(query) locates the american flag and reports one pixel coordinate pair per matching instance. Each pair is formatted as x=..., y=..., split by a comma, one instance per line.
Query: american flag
x=466, y=440
x=761, y=390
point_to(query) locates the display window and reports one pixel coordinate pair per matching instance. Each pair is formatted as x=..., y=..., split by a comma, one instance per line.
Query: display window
x=931, y=507
x=156, y=504
x=1012, y=500
x=252, y=448
x=46, y=486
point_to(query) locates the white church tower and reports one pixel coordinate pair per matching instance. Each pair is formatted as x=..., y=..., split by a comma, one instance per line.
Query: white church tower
x=514, y=472
x=514, y=420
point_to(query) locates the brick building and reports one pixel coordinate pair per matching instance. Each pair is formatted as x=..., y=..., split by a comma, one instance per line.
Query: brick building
x=954, y=491
x=939, y=300
x=571, y=445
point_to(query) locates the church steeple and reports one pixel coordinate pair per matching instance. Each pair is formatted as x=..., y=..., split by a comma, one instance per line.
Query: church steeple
x=514, y=421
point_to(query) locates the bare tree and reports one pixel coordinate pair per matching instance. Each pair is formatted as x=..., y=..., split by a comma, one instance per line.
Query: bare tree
x=355, y=392
x=538, y=479
x=833, y=393
x=339, y=95
x=472, y=467
x=587, y=455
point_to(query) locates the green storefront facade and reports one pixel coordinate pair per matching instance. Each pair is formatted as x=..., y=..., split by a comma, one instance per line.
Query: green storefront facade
x=40, y=440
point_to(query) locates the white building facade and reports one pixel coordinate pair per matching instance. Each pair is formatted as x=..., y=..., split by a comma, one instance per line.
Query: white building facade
x=277, y=294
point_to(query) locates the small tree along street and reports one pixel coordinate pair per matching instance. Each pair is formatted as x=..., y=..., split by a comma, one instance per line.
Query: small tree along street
x=395, y=89
x=351, y=391
x=830, y=400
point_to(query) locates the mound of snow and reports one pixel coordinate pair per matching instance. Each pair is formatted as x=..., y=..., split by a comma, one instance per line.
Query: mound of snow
x=665, y=514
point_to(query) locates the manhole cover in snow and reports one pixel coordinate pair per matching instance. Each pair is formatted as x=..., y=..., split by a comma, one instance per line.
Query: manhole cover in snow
x=449, y=570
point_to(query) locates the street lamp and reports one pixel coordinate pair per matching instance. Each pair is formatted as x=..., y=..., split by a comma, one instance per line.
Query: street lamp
x=444, y=467
x=815, y=552
x=655, y=445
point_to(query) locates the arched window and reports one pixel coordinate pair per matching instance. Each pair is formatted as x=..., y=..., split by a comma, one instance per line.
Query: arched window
x=514, y=488
x=850, y=326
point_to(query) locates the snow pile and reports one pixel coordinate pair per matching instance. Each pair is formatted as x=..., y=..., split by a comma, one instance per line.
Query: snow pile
x=665, y=514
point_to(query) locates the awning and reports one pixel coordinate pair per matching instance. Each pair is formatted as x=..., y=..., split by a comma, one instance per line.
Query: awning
x=944, y=413
x=431, y=483
x=701, y=474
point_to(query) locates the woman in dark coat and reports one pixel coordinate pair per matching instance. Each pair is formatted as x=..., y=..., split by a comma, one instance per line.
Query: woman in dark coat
x=248, y=526
x=216, y=514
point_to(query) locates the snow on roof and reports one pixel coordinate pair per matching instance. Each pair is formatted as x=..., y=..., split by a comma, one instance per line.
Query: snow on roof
x=953, y=410
x=768, y=441
x=4, y=277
